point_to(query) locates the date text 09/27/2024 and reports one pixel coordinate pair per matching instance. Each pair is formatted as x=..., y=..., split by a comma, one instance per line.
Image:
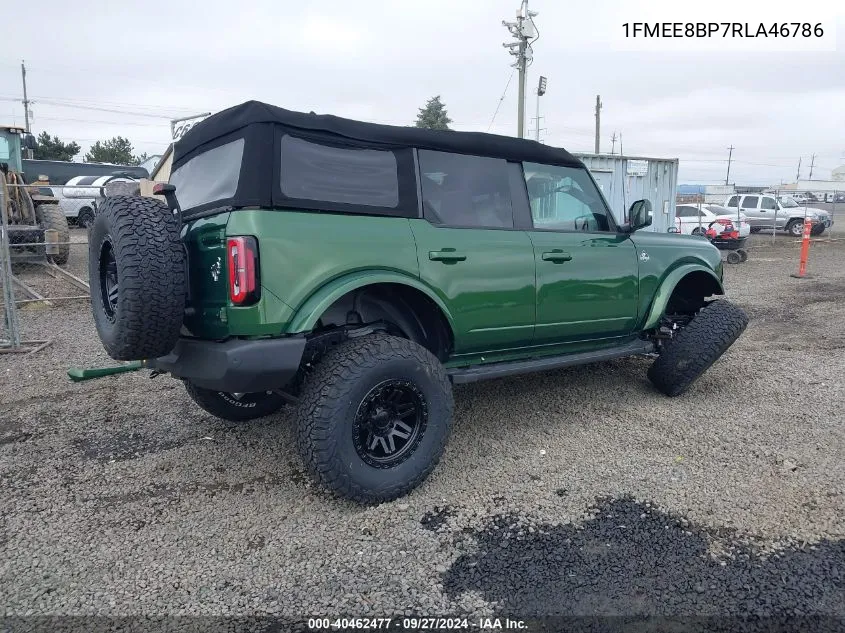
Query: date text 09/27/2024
x=414, y=624
x=722, y=29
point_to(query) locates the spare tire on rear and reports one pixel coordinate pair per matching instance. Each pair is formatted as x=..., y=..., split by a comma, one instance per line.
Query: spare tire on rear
x=136, y=268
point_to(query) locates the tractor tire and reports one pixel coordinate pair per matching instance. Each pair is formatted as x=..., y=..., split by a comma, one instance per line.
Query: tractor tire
x=696, y=347
x=235, y=407
x=374, y=417
x=85, y=217
x=137, y=273
x=50, y=216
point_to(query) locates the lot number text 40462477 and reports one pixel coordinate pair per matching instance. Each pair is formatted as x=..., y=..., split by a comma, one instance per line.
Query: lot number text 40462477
x=722, y=29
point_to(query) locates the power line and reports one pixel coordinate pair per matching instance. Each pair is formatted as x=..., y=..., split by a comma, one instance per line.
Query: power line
x=502, y=98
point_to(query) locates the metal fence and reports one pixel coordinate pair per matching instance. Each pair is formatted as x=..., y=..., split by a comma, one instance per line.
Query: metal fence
x=778, y=213
x=39, y=269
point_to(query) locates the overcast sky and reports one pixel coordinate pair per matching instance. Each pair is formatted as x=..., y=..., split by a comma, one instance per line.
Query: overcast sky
x=130, y=67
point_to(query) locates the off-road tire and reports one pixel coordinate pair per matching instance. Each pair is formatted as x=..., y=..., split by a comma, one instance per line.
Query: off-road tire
x=818, y=229
x=697, y=346
x=85, y=218
x=145, y=316
x=228, y=407
x=330, y=400
x=743, y=255
x=795, y=228
x=50, y=216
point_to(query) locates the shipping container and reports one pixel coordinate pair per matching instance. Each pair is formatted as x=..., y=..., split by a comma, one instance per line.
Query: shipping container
x=626, y=179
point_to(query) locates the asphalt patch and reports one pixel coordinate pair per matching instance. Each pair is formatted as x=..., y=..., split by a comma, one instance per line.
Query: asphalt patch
x=633, y=560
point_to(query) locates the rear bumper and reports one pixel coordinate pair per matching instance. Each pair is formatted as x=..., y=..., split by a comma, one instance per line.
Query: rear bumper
x=235, y=365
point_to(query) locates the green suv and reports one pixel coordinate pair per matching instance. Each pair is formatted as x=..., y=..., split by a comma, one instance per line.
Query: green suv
x=357, y=271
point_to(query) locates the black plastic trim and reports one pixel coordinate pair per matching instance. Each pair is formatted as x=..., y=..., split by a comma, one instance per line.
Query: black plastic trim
x=477, y=373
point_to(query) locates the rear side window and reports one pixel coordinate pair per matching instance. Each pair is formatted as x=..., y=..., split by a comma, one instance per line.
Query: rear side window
x=311, y=171
x=465, y=191
x=209, y=177
x=733, y=201
x=750, y=202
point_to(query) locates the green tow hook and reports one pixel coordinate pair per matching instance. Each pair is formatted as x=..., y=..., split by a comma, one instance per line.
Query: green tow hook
x=77, y=374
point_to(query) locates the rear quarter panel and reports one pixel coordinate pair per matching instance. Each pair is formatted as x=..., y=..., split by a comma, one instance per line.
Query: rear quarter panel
x=300, y=252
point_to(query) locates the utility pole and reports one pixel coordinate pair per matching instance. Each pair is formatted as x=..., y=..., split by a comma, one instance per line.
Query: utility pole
x=598, y=121
x=621, y=153
x=523, y=30
x=812, y=163
x=798, y=175
x=541, y=90
x=28, y=152
x=730, y=153
x=613, y=144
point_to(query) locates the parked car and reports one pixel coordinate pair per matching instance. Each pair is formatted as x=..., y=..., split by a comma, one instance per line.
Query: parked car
x=358, y=270
x=839, y=196
x=80, y=196
x=767, y=212
x=695, y=219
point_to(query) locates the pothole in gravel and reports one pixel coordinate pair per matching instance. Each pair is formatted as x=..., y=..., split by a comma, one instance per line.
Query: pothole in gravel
x=122, y=446
x=631, y=559
x=438, y=517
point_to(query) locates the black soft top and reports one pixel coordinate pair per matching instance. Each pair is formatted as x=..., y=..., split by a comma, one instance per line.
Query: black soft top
x=351, y=132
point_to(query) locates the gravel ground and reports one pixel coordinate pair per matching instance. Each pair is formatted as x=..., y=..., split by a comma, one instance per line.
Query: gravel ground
x=580, y=491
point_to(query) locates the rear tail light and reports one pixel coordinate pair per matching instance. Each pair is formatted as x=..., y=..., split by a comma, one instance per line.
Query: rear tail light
x=244, y=284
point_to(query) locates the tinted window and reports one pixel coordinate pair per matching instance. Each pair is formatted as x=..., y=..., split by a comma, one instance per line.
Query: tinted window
x=687, y=212
x=459, y=190
x=210, y=176
x=4, y=149
x=733, y=201
x=565, y=199
x=365, y=177
x=769, y=203
x=749, y=202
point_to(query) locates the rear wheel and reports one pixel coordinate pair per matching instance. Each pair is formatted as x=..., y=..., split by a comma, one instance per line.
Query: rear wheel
x=697, y=346
x=374, y=417
x=85, y=217
x=50, y=216
x=734, y=257
x=236, y=407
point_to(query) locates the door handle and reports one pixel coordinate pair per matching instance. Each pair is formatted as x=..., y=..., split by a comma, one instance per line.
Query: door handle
x=557, y=257
x=446, y=255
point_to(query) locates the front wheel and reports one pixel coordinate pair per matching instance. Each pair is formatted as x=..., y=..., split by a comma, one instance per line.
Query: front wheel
x=235, y=407
x=795, y=228
x=697, y=346
x=374, y=417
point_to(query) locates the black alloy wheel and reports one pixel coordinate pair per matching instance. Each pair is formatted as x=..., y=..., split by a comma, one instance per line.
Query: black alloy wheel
x=389, y=423
x=109, y=283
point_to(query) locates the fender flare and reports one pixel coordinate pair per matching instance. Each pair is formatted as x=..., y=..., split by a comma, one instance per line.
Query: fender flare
x=667, y=287
x=309, y=312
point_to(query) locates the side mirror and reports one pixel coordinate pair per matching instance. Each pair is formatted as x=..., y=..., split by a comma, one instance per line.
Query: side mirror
x=639, y=216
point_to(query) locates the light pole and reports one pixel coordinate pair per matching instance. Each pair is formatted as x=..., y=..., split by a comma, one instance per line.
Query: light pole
x=541, y=90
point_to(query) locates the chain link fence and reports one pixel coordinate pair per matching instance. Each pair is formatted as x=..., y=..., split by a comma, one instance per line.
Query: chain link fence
x=42, y=266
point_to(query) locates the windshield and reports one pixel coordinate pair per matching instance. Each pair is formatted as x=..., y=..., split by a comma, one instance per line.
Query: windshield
x=789, y=202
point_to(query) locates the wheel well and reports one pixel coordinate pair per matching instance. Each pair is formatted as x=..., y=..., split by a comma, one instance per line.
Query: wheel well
x=691, y=293
x=399, y=309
